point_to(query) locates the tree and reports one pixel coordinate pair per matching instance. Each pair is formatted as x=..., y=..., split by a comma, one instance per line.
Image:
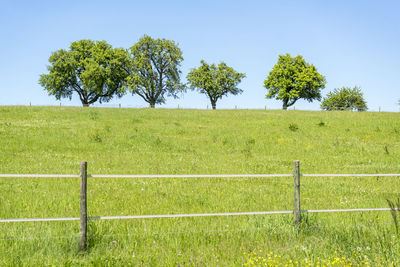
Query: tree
x=154, y=70
x=92, y=69
x=291, y=79
x=345, y=98
x=215, y=81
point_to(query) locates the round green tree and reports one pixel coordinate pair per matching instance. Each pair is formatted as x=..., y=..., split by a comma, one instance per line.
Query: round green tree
x=154, y=70
x=345, y=98
x=291, y=79
x=215, y=81
x=92, y=69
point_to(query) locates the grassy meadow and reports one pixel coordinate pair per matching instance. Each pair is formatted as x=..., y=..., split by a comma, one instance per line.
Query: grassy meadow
x=53, y=140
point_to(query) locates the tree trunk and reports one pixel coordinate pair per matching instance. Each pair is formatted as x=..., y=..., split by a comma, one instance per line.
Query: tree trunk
x=214, y=104
x=152, y=102
x=285, y=104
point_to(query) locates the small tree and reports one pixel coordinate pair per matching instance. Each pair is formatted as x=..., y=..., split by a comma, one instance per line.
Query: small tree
x=293, y=78
x=154, y=70
x=345, y=98
x=94, y=70
x=215, y=81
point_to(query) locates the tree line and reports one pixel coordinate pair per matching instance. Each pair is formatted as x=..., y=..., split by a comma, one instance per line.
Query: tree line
x=96, y=71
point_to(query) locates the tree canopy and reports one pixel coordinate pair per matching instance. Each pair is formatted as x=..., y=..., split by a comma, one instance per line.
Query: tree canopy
x=154, y=69
x=291, y=79
x=215, y=81
x=345, y=98
x=92, y=69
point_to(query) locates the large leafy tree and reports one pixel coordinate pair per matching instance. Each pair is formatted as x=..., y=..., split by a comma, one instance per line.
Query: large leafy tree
x=292, y=78
x=345, y=98
x=215, y=81
x=154, y=70
x=92, y=69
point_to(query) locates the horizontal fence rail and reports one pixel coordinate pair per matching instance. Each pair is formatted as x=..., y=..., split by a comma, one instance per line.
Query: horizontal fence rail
x=346, y=210
x=194, y=176
x=353, y=175
x=40, y=219
x=39, y=176
x=145, y=175
x=197, y=175
x=188, y=215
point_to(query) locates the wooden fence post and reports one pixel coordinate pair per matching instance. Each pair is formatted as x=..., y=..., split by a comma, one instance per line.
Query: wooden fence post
x=296, y=178
x=83, y=208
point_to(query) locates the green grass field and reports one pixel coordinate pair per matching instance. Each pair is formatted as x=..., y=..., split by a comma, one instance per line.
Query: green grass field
x=53, y=140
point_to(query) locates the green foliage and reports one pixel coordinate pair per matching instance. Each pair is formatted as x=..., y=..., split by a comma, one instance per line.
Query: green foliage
x=395, y=210
x=386, y=149
x=154, y=70
x=292, y=78
x=215, y=81
x=92, y=69
x=293, y=127
x=345, y=98
x=95, y=136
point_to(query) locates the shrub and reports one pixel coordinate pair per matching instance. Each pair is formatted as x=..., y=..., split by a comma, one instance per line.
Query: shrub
x=293, y=127
x=345, y=98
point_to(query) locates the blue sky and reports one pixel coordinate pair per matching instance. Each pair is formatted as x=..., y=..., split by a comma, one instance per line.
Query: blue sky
x=350, y=42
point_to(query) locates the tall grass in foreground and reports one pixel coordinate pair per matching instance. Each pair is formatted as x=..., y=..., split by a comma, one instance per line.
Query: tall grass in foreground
x=143, y=141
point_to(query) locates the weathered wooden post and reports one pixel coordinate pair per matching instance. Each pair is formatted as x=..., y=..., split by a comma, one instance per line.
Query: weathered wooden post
x=83, y=208
x=296, y=178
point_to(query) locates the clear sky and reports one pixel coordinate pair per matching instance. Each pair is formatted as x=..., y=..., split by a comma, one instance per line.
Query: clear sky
x=350, y=42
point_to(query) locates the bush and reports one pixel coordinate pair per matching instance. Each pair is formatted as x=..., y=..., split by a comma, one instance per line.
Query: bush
x=293, y=127
x=345, y=98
